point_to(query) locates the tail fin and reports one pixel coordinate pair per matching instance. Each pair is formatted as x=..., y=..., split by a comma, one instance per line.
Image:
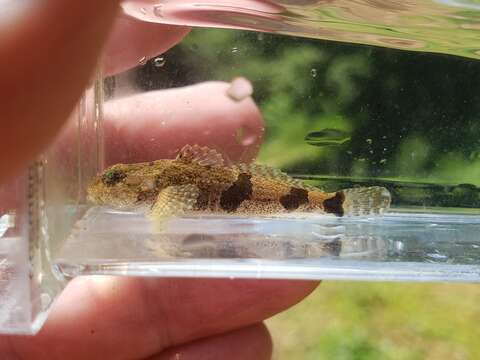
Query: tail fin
x=366, y=201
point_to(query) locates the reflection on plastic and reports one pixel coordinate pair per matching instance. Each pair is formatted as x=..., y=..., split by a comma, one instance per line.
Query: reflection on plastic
x=396, y=246
x=442, y=26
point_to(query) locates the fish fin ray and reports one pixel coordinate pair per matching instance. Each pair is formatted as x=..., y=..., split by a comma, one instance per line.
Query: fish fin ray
x=174, y=200
x=366, y=200
x=272, y=173
x=201, y=155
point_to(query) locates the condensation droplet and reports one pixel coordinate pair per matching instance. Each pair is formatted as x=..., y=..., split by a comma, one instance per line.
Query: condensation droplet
x=314, y=72
x=158, y=10
x=159, y=61
x=240, y=88
x=143, y=60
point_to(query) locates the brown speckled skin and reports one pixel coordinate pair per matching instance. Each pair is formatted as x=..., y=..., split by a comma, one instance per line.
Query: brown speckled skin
x=222, y=189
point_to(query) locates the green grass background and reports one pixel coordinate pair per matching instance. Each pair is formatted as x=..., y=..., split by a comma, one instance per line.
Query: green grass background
x=369, y=321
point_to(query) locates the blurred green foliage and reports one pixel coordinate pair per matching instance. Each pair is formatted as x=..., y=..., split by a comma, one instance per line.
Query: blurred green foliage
x=413, y=118
x=384, y=321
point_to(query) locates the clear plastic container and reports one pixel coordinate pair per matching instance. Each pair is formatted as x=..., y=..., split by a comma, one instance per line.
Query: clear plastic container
x=38, y=211
x=312, y=122
x=429, y=233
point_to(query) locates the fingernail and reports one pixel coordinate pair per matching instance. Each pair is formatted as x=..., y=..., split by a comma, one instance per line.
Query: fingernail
x=240, y=88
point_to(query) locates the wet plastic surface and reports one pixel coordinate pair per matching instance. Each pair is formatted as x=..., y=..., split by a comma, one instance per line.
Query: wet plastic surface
x=396, y=246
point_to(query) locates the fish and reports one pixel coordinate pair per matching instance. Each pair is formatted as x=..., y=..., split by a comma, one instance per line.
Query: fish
x=199, y=180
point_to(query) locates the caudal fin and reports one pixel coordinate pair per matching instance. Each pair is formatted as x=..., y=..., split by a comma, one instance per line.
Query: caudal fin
x=366, y=201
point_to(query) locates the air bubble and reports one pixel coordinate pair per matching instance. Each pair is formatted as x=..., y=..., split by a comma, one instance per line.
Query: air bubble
x=314, y=72
x=234, y=50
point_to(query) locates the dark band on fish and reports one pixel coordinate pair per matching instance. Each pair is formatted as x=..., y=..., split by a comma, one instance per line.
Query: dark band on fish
x=203, y=199
x=240, y=191
x=294, y=199
x=334, y=204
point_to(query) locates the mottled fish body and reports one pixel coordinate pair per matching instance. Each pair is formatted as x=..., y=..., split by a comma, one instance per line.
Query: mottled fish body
x=199, y=181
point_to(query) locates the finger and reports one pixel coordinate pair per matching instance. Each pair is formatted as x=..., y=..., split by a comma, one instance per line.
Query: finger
x=253, y=342
x=155, y=125
x=47, y=58
x=126, y=318
x=145, y=40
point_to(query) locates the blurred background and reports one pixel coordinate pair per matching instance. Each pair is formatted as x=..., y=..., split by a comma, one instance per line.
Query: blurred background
x=341, y=115
x=370, y=321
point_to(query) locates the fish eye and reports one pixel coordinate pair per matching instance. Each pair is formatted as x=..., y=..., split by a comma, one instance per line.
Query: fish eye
x=112, y=177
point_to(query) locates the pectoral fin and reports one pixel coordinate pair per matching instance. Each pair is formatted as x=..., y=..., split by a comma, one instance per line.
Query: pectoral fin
x=173, y=201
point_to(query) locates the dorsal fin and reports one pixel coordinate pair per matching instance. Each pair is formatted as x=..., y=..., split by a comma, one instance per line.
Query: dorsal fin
x=201, y=155
x=272, y=173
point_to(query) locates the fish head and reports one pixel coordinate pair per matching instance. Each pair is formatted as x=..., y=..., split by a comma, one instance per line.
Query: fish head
x=121, y=187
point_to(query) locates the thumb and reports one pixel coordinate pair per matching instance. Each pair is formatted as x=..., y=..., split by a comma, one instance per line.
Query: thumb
x=48, y=52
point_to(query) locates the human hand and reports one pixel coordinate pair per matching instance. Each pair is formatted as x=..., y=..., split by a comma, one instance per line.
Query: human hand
x=122, y=317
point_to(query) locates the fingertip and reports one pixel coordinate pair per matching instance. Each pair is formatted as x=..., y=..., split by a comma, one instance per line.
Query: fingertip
x=155, y=125
x=145, y=40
